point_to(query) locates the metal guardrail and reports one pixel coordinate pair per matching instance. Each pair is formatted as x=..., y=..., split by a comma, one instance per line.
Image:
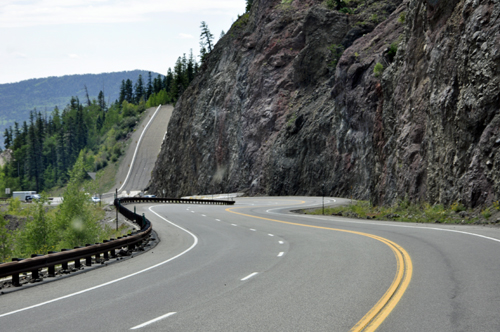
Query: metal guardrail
x=173, y=200
x=106, y=249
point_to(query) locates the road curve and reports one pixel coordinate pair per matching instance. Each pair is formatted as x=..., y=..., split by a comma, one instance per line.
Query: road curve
x=265, y=269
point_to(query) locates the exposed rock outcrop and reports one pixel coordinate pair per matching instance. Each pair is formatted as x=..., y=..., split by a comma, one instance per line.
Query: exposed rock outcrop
x=276, y=110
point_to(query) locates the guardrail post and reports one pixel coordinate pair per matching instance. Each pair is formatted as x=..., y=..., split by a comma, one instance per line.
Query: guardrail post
x=51, y=268
x=112, y=251
x=34, y=273
x=15, y=276
x=78, y=264
x=65, y=264
x=88, y=259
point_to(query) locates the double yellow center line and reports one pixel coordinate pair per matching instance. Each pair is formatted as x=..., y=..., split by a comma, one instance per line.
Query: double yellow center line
x=372, y=320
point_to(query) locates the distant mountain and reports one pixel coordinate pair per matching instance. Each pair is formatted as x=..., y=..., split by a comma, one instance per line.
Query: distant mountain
x=18, y=99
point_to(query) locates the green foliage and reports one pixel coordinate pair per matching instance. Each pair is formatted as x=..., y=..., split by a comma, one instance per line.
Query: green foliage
x=76, y=220
x=457, y=207
x=374, y=18
x=38, y=235
x=17, y=100
x=378, y=69
x=336, y=5
x=486, y=213
x=402, y=18
x=336, y=51
x=393, y=49
x=249, y=5
x=346, y=10
x=407, y=211
x=6, y=240
x=241, y=22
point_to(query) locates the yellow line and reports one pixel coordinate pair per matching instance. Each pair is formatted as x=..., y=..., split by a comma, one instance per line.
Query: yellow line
x=378, y=313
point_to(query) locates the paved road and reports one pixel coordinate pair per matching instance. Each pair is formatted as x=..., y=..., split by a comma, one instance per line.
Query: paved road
x=256, y=267
x=134, y=173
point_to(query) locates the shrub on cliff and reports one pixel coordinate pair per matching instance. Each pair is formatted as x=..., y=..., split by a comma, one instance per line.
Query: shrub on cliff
x=378, y=69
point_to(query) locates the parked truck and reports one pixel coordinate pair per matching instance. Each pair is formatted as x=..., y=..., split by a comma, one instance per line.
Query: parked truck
x=23, y=195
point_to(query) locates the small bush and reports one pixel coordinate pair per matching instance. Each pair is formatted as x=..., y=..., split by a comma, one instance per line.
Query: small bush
x=346, y=10
x=393, y=49
x=378, y=69
x=457, y=207
x=402, y=18
x=486, y=213
x=336, y=52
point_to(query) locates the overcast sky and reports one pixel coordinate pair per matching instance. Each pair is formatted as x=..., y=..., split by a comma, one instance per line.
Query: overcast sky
x=41, y=38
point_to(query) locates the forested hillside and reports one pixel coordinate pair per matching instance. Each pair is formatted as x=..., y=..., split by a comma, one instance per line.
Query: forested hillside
x=17, y=100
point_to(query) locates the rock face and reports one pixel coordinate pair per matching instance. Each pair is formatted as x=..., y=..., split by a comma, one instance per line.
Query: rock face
x=280, y=108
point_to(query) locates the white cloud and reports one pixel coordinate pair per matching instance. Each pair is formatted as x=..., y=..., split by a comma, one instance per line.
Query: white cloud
x=53, y=12
x=73, y=56
x=185, y=36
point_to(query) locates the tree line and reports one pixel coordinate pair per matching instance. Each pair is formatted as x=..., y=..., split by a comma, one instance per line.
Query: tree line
x=45, y=148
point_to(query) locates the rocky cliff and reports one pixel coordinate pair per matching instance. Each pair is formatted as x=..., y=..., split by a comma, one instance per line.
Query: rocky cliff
x=386, y=100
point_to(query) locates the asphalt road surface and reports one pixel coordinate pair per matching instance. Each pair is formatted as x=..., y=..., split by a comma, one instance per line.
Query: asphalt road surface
x=135, y=169
x=256, y=267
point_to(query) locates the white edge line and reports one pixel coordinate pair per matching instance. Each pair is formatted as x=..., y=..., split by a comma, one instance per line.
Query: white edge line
x=249, y=276
x=137, y=148
x=253, y=230
x=116, y=280
x=281, y=254
x=270, y=234
x=153, y=320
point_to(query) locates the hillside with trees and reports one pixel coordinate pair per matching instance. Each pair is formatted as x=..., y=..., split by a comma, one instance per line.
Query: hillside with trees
x=17, y=100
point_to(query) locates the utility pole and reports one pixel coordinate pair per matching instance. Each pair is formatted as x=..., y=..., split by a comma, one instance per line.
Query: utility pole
x=117, y=205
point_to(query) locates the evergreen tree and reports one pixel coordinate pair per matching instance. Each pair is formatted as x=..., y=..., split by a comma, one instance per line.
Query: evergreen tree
x=129, y=93
x=122, y=93
x=149, y=88
x=101, y=101
x=139, y=90
x=158, y=84
x=7, y=135
x=206, y=36
x=249, y=5
x=190, y=67
x=206, y=39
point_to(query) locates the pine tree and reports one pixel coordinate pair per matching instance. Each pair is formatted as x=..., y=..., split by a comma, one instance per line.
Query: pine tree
x=249, y=5
x=7, y=135
x=129, y=93
x=122, y=93
x=149, y=89
x=101, y=101
x=139, y=90
x=168, y=81
x=206, y=39
x=190, y=67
